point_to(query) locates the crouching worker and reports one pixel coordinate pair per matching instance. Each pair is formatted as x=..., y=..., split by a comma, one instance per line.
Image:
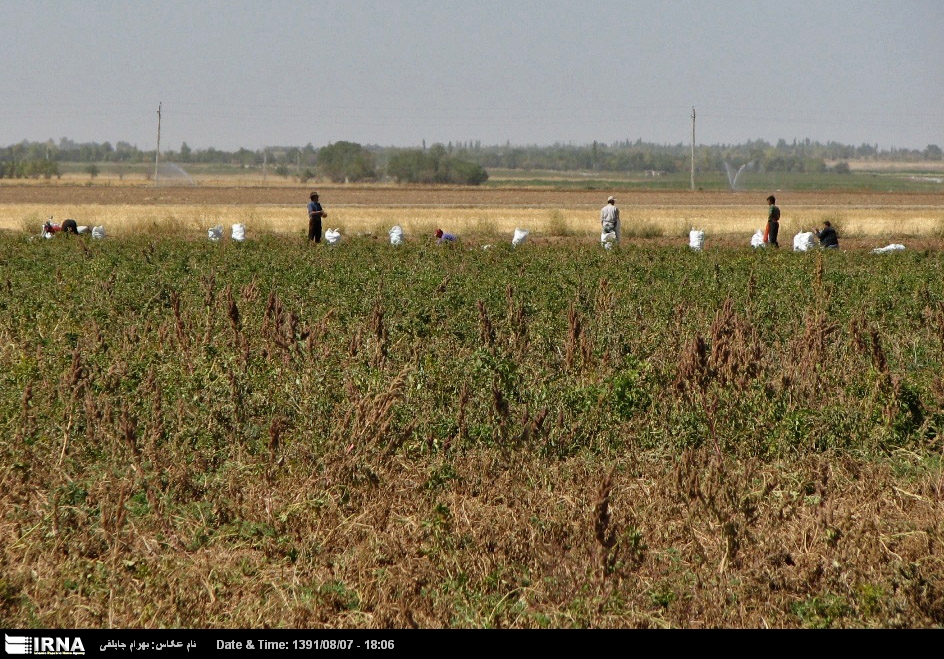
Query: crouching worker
x=827, y=236
x=443, y=237
x=69, y=226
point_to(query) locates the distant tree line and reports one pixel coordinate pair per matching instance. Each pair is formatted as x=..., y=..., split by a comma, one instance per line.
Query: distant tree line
x=461, y=163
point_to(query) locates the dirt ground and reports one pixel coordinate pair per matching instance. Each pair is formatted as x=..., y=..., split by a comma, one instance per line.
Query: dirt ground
x=416, y=196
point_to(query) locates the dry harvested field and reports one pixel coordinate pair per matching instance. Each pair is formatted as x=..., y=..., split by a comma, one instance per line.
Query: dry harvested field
x=728, y=218
x=420, y=196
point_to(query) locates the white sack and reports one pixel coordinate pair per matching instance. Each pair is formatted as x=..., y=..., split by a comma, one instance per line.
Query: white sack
x=757, y=240
x=696, y=239
x=98, y=232
x=520, y=236
x=333, y=236
x=803, y=241
x=608, y=239
x=239, y=232
x=396, y=235
x=215, y=233
x=889, y=248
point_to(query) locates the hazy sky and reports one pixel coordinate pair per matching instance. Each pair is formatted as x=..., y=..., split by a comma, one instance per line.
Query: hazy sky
x=256, y=73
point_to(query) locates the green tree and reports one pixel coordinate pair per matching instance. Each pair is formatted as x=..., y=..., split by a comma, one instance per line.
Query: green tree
x=92, y=170
x=468, y=173
x=434, y=166
x=346, y=161
x=245, y=157
x=409, y=167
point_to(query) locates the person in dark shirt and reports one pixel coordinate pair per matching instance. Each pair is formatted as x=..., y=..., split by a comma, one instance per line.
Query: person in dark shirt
x=315, y=215
x=827, y=236
x=773, y=223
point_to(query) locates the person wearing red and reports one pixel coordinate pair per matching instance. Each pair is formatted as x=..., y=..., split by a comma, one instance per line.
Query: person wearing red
x=443, y=237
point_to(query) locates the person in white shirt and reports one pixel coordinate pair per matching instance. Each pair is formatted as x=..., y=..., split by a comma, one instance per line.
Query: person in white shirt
x=610, y=219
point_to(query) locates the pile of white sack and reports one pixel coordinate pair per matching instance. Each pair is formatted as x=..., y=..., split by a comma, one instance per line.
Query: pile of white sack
x=238, y=233
x=333, y=236
x=50, y=229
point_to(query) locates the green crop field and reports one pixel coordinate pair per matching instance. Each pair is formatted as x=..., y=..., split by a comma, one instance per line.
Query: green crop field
x=272, y=434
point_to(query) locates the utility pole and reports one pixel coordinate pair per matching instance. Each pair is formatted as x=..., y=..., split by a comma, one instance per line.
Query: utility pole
x=693, y=148
x=157, y=153
x=265, y=158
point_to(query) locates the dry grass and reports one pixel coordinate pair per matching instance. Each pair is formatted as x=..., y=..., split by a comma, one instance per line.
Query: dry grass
x=638, y=220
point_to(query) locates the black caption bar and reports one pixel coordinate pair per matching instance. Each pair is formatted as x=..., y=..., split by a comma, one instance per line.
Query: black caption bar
x=126, y=643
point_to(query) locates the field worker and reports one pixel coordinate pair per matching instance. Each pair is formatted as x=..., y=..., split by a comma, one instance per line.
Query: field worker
x=773, y=222
x=51, y=228
x=70, y=226
x=609, y=218
x=827, y=236
x=315, y=214
x=443, y=237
